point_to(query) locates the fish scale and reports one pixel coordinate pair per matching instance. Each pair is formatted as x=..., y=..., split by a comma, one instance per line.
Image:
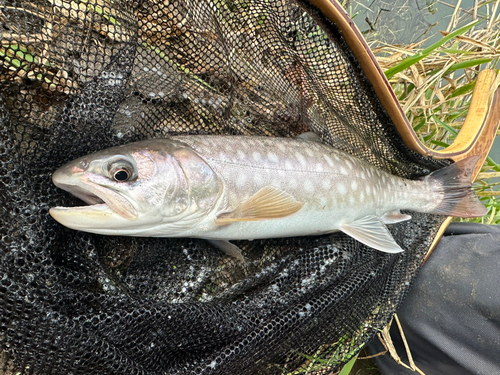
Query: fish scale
x=308, y=180
x=223, y=188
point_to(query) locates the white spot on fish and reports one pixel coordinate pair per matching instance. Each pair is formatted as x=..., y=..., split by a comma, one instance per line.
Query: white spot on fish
x=352, y=200
x=309, y=152
x=256, y=156
x=349, y=164
x=343, y=171
x=241, y=154
x=242, y=180
x=341, y=189
x=281, y=147
x=326, y=184
x=273, y=157
x=368, y=190
x=354, y=185
x=362, y=175
x=319, y=167
x=323, y=203
x=301, y=159
x=328, y=160
x=308, y=186
x=257, y=178
x=293, y=183
x=361, y=197
x=288, y=165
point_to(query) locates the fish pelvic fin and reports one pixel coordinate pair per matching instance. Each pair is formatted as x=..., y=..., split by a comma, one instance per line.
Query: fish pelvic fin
x=268, y=203
x=455, y=182
x=229, y=248
x=370, y=231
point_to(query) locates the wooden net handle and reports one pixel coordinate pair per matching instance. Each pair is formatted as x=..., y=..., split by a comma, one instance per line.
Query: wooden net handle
x=475, y=133
x=479, y=129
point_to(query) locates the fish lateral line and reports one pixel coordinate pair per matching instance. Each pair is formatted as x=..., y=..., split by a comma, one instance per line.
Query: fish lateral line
x=196, y=191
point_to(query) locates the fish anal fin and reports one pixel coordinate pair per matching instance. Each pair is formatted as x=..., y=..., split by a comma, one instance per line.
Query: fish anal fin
x=229, y=248
x=268, y=203
x=393, y=217
x=370, y=231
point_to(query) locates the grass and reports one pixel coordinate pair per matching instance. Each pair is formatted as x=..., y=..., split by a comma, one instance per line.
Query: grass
x=434, y=84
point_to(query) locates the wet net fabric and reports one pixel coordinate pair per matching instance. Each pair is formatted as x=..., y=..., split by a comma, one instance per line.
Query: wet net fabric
x=79, y=76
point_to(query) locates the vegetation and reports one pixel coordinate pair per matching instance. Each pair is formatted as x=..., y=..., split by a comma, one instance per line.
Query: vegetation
x=435, y=84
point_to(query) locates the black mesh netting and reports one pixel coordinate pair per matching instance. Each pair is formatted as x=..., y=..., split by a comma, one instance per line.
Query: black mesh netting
x=79, y=76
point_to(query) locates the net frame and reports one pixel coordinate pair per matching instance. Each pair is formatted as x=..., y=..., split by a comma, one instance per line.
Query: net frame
x=72, y=301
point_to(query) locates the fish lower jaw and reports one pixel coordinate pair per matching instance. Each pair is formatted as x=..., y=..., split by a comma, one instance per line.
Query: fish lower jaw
x=100, y=219
x=91, y=218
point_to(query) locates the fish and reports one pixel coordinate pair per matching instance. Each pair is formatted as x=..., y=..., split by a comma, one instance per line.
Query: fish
x=224, y=188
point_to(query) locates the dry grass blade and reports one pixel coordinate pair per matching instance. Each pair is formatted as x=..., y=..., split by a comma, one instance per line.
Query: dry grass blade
x=435, y=92
x=386, y=340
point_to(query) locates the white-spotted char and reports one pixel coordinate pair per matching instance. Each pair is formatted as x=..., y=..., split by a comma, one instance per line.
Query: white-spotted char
x=223, y=188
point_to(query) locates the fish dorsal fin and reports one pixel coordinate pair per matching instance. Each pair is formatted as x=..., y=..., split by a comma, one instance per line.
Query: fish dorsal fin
x=372, y=232
x=393, y=217
x=268, y=203
x=309, y=136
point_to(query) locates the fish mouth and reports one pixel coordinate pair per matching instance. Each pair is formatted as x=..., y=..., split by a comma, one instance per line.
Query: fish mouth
x=83, y=194
x=104, y=206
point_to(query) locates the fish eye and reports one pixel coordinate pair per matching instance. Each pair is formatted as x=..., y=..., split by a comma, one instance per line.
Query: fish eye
x=121, y=175
x=121, y=171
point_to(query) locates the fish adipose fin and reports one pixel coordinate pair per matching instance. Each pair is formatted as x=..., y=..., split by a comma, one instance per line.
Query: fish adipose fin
x=228, y=248
x=455, y=181
x=268, y=203
x=370, y=231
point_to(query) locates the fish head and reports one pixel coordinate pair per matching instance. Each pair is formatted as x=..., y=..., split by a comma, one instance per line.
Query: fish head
x=137, y=189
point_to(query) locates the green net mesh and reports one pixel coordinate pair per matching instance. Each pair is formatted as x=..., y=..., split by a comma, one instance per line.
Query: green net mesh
x=79, y=76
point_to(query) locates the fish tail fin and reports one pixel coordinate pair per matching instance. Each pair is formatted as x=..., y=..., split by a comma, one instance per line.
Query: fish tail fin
x=455, y=183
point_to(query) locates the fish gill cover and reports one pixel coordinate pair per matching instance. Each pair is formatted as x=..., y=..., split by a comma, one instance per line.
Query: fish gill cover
x=80, y=76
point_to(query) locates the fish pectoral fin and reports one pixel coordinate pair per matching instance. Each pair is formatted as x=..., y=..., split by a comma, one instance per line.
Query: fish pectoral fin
x=268, y=203
x=228, y=248
x=370, y=231
x=393, y=217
